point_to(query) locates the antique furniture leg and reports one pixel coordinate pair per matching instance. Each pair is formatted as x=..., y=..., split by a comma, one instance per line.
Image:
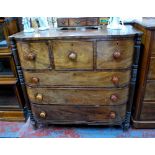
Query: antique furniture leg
x=137, y=47
x=27, y=108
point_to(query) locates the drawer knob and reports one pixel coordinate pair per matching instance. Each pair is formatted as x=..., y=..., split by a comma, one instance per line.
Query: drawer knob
x=31, y=56
x=112, y=115
x=35, y=80
x=115, y=80
x=43, y=114
x=114, y=98
x=72, y=56
x=116, y=54
x=39, y=97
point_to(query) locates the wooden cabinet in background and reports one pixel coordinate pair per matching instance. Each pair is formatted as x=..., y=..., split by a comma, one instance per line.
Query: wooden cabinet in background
x=144, y=106
x=12, y=101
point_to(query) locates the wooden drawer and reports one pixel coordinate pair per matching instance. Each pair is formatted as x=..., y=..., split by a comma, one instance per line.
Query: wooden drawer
x=63, y=22
x=151, y=74
x=73, y=54
x=148, y=111
x=78, y=96
x=77, y=22
x=114, y=54
x=150, y=91
x=34, y=55
x=78, y=78
x=79, y=114
x=92, y=21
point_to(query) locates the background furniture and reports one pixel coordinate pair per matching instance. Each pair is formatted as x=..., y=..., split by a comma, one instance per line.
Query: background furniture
x=11, y=98
x=144, y=107
x=78, y=77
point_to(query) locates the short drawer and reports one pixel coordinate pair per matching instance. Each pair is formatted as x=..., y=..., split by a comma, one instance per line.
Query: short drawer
x=78, y=78
x=73, y=54
x=114, y=54
x=34, y=55
x=77, y=22
x=150, y=91
x=63, y=22
x=148, y=111
x=151, y=74
x=79, y=114
x=78, y=96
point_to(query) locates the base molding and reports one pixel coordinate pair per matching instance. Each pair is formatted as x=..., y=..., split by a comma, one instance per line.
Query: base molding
x=12, y=116
x=143, y=124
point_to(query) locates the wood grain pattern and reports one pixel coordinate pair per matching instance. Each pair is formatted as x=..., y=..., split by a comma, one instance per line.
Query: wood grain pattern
x=152, y=47
x=78, y=96
x=40, y=49
x=83, y=50
x=79, y=114
x=148, y=111
x=151, y=74
x=150, y=91
x=106, y=49
x=78, y=78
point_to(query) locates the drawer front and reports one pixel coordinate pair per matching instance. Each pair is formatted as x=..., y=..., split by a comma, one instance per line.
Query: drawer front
x=62, y=22
x=151, y=74
x=77, y=21
x=79, y=114
x=34, y=55
x=150, y=91
x=148, y=111
x=73, y=54
x=78, y=96
x=78, y=78
x=114, y=54
x=92, y=21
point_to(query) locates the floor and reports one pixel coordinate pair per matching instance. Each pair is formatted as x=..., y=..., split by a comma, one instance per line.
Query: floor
x=25, y=130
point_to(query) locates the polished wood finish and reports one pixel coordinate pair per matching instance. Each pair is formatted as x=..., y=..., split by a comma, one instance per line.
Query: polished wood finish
x=72, y=54
x=34, y=55
x=143, y=111
x=86, y=81
x=64, y=114
x=80, y=78
x=114, y=54
x=78, y=96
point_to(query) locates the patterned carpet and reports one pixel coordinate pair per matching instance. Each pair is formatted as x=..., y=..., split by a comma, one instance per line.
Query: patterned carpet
x=25, y=130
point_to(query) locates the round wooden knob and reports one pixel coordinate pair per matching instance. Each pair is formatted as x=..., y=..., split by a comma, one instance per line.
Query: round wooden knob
x=116, y=54
x=114, y=98
x=43, y=114
x=112, y=115
x=115, y=80
x=35, y=80
x=39, y=97
x=72, y=56
x=31, y=56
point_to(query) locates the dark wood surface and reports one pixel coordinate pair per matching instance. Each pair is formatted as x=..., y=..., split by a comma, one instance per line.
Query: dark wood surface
x=104, y=33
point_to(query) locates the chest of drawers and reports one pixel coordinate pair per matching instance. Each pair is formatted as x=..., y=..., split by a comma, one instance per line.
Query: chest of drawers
x=78, y=77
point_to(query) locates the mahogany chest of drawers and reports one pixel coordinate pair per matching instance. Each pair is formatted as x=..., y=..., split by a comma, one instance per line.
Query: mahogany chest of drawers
x=144, y=107
x=78, y=77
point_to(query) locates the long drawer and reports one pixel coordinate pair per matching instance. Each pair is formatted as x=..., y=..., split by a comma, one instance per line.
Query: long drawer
x=150, y=91
x=151, y=74
x=78, y=96
x=148, y=111
x=78, y=78
x=79, y=114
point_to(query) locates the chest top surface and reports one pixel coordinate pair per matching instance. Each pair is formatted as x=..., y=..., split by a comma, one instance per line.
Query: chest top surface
x=128, y=31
